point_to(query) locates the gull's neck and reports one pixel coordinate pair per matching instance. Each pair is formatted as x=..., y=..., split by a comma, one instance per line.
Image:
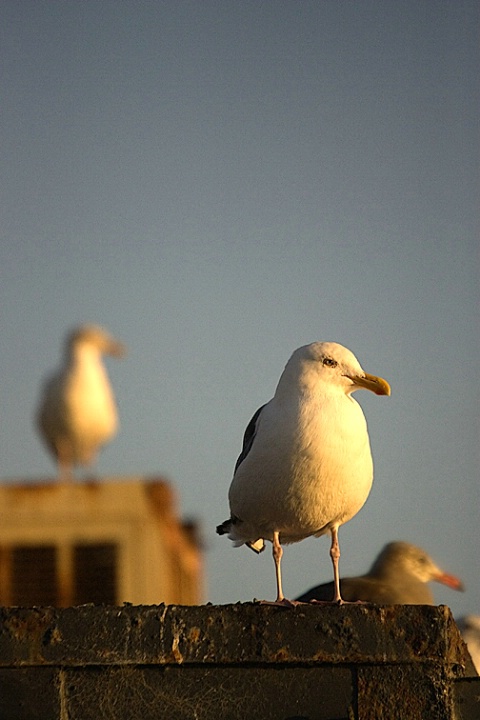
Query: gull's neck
x=83, y=354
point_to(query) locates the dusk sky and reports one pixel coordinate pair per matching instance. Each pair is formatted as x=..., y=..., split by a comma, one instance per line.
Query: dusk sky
x=218, y=183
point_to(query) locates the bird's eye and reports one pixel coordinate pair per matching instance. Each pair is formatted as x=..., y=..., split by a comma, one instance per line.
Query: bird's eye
x=329, y=362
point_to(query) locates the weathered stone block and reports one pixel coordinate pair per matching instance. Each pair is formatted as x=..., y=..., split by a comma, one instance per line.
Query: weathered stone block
x=311, y=662
x=31, y=693
x=403, y=691
x=247, y=632
x=467, y=698
x=208, y=693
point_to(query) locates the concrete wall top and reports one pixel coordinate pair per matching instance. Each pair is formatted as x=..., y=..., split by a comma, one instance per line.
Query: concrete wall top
x=230, y=634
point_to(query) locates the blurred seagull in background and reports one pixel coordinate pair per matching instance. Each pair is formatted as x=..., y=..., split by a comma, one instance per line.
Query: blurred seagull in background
x=399, y=576
x=469, y=626
x=77, y=413
x=306, y=466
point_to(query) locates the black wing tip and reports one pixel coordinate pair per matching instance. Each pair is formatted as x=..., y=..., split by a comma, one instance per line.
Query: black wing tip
x=248, y=438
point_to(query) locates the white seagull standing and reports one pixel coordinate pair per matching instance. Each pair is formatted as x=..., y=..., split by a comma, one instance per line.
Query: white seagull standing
x=306, y=466
x=77, y=413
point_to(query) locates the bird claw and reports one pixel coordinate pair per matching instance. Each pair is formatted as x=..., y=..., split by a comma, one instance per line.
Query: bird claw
x=282, y=603
x=337, y=601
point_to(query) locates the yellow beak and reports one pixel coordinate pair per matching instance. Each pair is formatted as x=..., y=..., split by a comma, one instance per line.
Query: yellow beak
x=371, y=382
x=116, y=349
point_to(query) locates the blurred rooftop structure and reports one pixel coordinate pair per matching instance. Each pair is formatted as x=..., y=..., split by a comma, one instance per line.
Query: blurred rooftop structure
x=108, y=541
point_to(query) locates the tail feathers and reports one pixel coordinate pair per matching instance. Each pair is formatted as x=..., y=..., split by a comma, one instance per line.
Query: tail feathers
x=228, y=528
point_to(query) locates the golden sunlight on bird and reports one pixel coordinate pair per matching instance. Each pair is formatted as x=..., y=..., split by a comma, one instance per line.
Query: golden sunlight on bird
x=77, y=412
x=306, y=466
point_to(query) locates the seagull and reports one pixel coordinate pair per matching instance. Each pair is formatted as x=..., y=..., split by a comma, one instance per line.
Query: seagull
x=77, y=412
x=469, y=626
x=399, y=576
x=305, y=467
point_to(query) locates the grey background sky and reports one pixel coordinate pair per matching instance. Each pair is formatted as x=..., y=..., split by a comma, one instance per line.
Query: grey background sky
x=218, y=183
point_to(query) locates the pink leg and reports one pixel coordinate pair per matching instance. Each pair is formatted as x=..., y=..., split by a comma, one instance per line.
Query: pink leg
x=64, y=461
x=335, y=555
x=65, y=470
x=277, y=552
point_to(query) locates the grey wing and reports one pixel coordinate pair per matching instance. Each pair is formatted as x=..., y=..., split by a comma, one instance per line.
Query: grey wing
x=249, y=437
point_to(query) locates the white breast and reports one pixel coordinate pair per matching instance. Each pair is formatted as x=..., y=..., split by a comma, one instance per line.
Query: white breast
x=310, y=466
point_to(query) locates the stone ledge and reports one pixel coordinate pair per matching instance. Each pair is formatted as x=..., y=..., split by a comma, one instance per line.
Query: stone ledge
x=229, y=634
x=233, y=662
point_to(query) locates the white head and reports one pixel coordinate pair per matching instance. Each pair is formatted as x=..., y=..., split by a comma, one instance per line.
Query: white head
x=94, y=339
x=334, y=364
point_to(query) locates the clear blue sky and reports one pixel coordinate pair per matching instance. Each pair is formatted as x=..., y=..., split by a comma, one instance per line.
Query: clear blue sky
x=219, y=183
